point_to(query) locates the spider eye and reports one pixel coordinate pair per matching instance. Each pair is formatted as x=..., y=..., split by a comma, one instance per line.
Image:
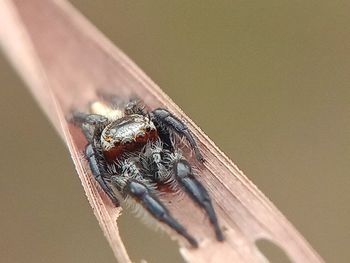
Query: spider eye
x=148, y=129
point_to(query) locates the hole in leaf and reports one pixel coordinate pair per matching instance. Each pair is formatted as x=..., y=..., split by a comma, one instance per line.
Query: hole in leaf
x=272, y=252
x=143, y=242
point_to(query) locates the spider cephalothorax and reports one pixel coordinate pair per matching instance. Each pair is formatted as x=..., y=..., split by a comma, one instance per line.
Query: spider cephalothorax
x=133, y=154
x=127, y=134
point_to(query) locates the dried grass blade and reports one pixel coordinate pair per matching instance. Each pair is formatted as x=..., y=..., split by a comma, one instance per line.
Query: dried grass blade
x=66, y=62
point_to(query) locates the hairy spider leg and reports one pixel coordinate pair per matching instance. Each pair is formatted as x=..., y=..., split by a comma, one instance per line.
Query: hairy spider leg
x=99, y=172
x=165, y=136
x=135, y=106
x=184, y=176
x=154, y=206
x=90, y=125
x=132, y=183
x=91, y=119
x=162, y=117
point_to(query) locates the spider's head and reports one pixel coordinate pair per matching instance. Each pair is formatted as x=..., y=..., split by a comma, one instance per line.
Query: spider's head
x=126, y=135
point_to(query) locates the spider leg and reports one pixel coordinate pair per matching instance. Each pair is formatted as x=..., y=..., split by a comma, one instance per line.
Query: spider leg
x=184, y=176
x=99, y=172
x=135, y=106
x=166, y=137
x=133, y=184
x=91, y=119
x=154, y=206
x=90, y=125
x=162, y=117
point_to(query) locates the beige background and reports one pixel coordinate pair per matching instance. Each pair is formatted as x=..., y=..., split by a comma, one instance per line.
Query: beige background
x=268, y=81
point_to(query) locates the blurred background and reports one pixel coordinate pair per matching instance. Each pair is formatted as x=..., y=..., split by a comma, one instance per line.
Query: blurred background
x=268, y=81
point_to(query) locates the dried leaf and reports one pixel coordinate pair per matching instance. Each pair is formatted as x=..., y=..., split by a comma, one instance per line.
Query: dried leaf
x=66, y=63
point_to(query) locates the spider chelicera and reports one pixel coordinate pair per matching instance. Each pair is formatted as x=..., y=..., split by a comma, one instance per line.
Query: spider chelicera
x=134, y=155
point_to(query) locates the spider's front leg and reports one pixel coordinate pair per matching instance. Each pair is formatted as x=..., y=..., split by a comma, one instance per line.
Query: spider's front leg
x=184, y=176
x=131, y=183
x=154, y=206
x=91, y=124
x=163, y=119
x=99, y=172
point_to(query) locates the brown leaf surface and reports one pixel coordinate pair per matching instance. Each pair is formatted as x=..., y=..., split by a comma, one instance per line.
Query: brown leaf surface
x=66, y=62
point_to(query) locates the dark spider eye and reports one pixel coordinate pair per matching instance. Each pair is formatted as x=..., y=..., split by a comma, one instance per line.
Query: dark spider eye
x=148, y=129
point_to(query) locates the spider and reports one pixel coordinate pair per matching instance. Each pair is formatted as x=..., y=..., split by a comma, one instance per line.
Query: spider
x=134, y=155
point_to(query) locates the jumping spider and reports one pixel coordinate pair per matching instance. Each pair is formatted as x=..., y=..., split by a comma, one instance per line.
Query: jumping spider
x=133, y=154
